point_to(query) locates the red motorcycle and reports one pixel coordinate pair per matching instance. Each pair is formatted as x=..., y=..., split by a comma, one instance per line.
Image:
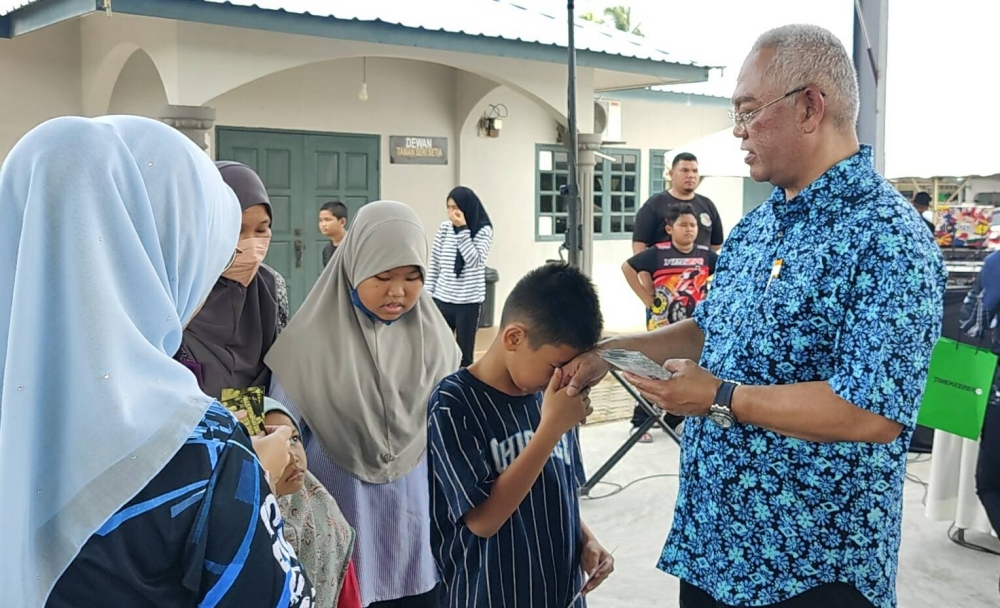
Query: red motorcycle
x=692, y=287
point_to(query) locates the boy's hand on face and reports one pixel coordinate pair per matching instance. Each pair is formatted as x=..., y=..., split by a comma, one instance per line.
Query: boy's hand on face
x=560, y=411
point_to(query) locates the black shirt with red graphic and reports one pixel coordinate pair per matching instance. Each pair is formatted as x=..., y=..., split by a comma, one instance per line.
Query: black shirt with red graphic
x=681, y=280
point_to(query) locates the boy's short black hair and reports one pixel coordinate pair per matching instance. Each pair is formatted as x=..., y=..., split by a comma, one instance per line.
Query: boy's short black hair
x=683, y=156
x=922, y=199
x=336, y=208
x=674, y=212
x=559, y=306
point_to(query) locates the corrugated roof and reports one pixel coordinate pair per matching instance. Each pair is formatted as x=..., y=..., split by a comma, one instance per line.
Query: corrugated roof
x=500, y=19
x=487, y=18
x=9, y=6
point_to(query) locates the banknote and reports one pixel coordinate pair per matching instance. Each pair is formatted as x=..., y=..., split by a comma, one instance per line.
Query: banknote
x=635, y=363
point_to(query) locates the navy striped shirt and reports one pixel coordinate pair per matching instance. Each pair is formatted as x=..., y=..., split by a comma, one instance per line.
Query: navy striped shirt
x=533, y=561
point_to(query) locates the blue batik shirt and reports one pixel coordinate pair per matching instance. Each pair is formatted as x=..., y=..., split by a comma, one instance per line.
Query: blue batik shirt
x=761, y=517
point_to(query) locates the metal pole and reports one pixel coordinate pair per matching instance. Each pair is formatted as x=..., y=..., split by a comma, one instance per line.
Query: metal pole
x=574, y=227
x=870, y=43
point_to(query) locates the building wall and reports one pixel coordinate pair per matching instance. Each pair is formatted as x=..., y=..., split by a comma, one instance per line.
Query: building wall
x=40, y=73
x=404, y=98
x=139, y=90
x=502, y=171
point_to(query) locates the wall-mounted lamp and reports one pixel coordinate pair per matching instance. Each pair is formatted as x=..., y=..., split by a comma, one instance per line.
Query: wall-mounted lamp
x=492, y=121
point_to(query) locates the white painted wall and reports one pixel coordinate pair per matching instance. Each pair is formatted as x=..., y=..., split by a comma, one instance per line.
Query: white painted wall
x=404, y=98
x=502, y=171
x=40, y=73
x=139, y=90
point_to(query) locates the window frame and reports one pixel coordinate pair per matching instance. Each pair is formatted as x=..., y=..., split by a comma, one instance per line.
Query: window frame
x=657, y=180
x=607, y=213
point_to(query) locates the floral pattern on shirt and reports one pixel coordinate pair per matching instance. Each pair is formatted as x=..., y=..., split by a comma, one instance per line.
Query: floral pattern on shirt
x=857, y=303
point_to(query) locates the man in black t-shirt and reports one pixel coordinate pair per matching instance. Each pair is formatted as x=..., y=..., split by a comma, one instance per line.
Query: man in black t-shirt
x=651, y=219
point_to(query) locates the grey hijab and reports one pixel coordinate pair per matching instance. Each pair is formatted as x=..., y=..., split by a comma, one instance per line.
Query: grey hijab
x=362, y=386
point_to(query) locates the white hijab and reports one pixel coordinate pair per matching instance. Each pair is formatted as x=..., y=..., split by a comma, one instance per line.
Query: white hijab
x=113, y=232
x=363, y=386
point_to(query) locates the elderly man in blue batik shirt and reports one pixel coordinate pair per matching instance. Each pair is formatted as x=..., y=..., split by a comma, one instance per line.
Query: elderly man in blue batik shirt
x=814, y=345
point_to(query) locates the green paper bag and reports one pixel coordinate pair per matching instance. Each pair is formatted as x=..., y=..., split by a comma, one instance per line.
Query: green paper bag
x=958, y=388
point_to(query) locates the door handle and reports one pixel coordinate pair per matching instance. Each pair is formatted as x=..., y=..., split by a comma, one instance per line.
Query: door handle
x=298, y=253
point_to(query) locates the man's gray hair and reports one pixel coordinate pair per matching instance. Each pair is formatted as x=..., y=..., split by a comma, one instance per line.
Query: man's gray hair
x=811, y=55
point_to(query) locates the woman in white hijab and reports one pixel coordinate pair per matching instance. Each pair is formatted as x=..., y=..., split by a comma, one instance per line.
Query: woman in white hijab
x=123, y=484
x=358, y=363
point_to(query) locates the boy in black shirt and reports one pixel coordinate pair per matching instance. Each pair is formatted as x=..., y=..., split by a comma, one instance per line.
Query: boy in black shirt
x=671, y=278
x=333, y=225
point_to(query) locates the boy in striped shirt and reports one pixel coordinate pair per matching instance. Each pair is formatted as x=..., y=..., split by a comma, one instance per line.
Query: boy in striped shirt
x=504, y=457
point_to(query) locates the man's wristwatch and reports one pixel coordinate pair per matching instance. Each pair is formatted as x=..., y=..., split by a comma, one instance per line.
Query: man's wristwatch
x=721, y=412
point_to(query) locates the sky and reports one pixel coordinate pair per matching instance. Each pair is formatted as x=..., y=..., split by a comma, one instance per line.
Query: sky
x=942, y=77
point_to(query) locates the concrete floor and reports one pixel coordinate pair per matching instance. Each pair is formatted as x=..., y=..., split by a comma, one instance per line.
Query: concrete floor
x=933, y=571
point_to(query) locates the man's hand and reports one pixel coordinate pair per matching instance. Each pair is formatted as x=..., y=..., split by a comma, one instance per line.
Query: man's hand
x=689, y=392
x=584, y=372
x=597, y=563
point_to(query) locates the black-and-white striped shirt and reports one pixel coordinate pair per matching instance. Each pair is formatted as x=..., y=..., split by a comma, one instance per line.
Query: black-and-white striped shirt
x=470, y=286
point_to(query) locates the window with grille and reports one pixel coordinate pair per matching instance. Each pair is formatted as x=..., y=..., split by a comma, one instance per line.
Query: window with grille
x=658, y=165
x=616, y=193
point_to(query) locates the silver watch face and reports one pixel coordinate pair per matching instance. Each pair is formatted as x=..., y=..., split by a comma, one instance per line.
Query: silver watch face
x=720, y=418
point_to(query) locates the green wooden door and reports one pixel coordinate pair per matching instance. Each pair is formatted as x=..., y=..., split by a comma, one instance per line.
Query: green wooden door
x=301, y=171
x=341, y=167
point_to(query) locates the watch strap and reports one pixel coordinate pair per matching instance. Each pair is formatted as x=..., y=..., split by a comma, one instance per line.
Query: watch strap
x=724, y=396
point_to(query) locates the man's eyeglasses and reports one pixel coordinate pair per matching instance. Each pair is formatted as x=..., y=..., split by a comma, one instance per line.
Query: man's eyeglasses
x=232, y=260
x=742, y=119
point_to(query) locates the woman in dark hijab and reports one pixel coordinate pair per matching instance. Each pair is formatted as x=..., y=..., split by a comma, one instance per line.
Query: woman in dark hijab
x=456, y=277
x=226, y=343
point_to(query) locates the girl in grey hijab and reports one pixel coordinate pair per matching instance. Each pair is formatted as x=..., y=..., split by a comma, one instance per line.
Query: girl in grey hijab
x=357, y=365
x=226, y=343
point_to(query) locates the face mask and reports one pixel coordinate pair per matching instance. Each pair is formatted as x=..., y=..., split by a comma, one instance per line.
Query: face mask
x=248, y=260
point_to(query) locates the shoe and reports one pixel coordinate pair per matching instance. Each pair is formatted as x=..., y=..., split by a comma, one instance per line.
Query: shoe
x=646, y=437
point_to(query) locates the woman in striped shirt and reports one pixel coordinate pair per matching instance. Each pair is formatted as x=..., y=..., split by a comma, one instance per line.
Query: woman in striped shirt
x=457, y=275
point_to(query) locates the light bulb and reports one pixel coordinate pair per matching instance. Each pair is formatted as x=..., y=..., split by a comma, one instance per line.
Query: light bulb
x=363, y=93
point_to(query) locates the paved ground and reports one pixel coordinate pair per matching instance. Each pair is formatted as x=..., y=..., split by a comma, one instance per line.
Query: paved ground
x=933, y=572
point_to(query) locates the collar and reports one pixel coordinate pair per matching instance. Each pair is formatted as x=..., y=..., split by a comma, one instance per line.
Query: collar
x=846, y=180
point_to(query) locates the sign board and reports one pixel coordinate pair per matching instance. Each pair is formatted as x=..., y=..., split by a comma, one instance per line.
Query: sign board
x=963, y=226
x=413, y=150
